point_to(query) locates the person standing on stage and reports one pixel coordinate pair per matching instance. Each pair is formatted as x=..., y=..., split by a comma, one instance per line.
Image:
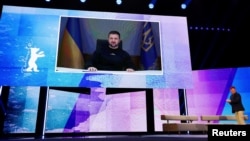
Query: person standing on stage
x=237, y=107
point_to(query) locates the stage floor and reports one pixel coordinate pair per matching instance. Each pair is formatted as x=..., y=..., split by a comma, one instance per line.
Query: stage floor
x=120, y=138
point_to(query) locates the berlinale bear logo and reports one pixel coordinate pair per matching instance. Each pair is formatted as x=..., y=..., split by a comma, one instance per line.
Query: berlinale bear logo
x=34, y=55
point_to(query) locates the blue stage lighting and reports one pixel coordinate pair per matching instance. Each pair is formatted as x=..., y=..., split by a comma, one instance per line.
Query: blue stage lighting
x=151, y=5
x=185, y=4
x=118, y=2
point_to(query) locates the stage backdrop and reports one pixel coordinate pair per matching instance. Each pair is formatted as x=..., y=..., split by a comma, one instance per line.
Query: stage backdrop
x=211, y=89
x=124, y=112
x=39, y=47
x=69, y=112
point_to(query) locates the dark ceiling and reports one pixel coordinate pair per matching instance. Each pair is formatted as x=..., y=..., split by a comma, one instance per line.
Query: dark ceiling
x=218, y=29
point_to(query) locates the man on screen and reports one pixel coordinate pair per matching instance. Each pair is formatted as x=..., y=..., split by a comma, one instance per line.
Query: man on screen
x=111, y=57
x=237, y=106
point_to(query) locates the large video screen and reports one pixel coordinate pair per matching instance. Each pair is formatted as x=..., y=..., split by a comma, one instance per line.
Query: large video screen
x=124, y=112
x=80, y=37
x=96, y=111
x=52, y=47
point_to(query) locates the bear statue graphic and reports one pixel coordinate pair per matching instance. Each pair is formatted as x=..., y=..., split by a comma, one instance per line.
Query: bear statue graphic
x=34, y=55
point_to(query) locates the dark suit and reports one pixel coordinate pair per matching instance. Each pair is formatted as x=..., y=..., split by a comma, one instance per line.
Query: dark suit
x=236, y=103
x=237, y=107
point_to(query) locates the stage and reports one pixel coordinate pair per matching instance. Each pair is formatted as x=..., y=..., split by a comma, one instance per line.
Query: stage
x=175, y=137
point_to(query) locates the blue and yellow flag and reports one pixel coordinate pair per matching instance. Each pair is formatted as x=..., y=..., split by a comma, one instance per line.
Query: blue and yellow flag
x=148, y=50
x=70, y=53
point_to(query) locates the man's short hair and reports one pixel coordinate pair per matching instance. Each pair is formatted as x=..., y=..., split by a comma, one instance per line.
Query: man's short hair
x=114, y=32
x=232, y=87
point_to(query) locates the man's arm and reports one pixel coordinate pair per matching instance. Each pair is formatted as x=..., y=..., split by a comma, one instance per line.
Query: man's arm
x=129, y=65
x=236, y=99
x=90, y=65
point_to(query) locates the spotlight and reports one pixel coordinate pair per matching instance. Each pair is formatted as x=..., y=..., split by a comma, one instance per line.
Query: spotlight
x=118, y=2
x=151, y=5
x=47, y=0
x=185, y=4
x=83, y=1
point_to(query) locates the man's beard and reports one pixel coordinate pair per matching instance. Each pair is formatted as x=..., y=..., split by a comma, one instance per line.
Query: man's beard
x=113, y=46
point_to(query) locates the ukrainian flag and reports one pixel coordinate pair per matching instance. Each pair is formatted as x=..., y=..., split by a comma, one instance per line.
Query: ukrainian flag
x=148, y=50
x=70, y=53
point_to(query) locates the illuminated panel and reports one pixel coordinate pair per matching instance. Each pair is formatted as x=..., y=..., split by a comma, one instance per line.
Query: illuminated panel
x=30, y=38
x=211, y=89
x=22, y=106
